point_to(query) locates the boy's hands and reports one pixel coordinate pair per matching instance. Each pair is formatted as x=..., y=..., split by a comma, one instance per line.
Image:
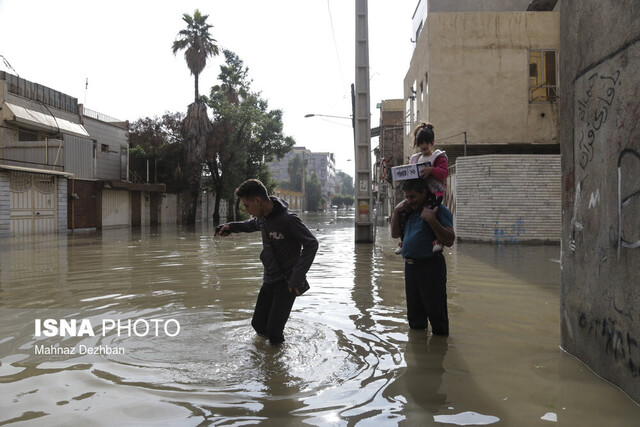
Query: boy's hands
x=223, y=230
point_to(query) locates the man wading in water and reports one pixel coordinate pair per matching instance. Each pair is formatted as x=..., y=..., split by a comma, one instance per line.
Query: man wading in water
x=425, y=271
x=288, y=250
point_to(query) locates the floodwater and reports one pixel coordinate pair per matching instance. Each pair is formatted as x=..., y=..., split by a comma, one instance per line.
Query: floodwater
x=349, y=357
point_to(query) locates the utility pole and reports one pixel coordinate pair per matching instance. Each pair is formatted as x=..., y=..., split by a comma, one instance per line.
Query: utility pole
x=362, y=129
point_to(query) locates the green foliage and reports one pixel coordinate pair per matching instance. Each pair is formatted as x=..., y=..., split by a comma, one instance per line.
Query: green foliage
x=159, y=142
x=246, y=134
x=315, y=199
x=295, y=170
x=197, y=43
x=346, y=183
x=341, y=200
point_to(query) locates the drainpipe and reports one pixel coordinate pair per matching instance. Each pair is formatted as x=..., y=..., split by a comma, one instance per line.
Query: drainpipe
x=465, y=143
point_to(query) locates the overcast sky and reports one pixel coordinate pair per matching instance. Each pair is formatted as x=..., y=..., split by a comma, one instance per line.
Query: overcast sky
x=300, y=55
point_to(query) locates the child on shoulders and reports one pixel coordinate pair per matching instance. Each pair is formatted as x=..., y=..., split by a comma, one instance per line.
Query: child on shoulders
x=435, y=172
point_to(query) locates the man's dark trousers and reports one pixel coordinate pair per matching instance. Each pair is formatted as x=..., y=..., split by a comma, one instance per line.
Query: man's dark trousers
x=426, y=290
x=272, y=310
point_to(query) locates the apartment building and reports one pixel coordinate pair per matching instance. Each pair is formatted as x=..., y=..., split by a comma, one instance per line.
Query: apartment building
x=485, y=74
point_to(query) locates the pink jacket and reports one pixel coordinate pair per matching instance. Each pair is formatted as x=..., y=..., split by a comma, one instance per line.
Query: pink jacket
x=436, y=180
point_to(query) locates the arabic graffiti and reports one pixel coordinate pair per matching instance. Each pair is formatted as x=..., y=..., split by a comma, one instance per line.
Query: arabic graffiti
x=593, y=109
x=618, y=342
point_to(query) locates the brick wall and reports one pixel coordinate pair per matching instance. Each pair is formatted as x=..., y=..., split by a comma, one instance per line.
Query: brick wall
x=508, y=198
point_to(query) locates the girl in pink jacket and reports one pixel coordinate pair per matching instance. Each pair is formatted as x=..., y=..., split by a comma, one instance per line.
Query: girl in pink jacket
x=435, y=172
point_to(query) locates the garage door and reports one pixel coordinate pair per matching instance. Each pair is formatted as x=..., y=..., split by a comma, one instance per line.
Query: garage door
x=33, y=203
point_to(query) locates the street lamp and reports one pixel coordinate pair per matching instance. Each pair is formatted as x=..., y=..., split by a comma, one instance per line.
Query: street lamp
x=326, y=115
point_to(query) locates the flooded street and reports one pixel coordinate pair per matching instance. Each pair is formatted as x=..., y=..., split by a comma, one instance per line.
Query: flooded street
x=348, y=359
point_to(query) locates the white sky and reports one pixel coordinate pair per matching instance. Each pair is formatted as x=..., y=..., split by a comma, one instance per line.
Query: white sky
x=299, y=61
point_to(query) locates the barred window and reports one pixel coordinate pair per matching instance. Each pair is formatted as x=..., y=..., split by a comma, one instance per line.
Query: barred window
x=543, y=80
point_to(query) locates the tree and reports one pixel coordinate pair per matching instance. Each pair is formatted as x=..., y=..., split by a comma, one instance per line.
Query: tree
x=295, y=170
x=198, y=46
x=315, y=200
x=246, y=134
x=346, y=183
x=158, y=143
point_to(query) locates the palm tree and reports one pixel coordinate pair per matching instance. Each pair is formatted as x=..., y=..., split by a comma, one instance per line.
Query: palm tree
x=197, y=127
x=197, y=42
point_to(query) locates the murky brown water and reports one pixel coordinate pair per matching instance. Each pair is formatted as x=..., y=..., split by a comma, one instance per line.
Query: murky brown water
x=348, y=359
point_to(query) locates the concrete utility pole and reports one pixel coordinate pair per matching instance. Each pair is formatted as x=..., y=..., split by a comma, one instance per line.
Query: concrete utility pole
x=362, y=129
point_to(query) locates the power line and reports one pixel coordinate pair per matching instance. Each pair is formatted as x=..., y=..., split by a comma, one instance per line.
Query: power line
x=335, y=43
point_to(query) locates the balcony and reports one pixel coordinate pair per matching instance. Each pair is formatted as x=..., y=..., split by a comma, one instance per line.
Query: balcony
x=46, y=155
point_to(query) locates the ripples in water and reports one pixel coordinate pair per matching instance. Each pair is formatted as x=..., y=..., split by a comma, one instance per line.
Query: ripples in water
x=348, y=357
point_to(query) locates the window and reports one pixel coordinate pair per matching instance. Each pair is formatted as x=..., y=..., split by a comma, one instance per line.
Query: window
x=104, y=148
x=543, y=85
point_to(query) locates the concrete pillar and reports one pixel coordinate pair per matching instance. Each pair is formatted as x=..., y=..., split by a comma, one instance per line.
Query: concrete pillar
x=600, y=142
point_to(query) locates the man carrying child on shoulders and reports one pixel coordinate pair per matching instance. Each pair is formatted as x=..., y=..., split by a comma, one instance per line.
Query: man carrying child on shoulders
x=425, y=270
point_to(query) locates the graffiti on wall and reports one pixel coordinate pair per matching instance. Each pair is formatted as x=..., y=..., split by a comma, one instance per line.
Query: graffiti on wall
x=617, y=342
x=625, y=201
x=511, y=234
x=593, y=110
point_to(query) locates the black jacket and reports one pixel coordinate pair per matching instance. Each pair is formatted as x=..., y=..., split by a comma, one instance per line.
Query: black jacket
x=294, y=245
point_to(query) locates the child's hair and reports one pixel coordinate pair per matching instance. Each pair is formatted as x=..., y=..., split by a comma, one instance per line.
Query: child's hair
x=423, y=133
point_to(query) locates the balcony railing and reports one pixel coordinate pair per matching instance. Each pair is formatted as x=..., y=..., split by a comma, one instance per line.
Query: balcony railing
x=102, y=117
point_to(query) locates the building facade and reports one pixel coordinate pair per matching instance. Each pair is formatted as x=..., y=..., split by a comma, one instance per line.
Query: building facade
x=485, y=74
x=63, y=166
x=35, y=169
x=389, y=153
x=280, y=168
x=322, y=165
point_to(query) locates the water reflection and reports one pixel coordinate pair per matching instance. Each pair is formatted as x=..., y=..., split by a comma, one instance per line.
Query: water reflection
x=349, y=355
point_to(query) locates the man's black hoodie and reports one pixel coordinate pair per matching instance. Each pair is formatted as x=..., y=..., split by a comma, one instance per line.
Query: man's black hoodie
x=295, y=247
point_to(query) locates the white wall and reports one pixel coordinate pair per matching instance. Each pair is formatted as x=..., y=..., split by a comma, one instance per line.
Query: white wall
x=508, y=198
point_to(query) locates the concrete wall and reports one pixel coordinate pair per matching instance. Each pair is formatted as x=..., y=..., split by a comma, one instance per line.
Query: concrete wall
x=507, y=198
x=477, y=5
x=111, y=140
x=600, y=113
x=474, y=73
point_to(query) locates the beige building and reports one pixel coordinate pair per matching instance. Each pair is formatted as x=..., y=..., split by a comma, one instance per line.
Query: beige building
x=388, y=153
x=485, y=74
